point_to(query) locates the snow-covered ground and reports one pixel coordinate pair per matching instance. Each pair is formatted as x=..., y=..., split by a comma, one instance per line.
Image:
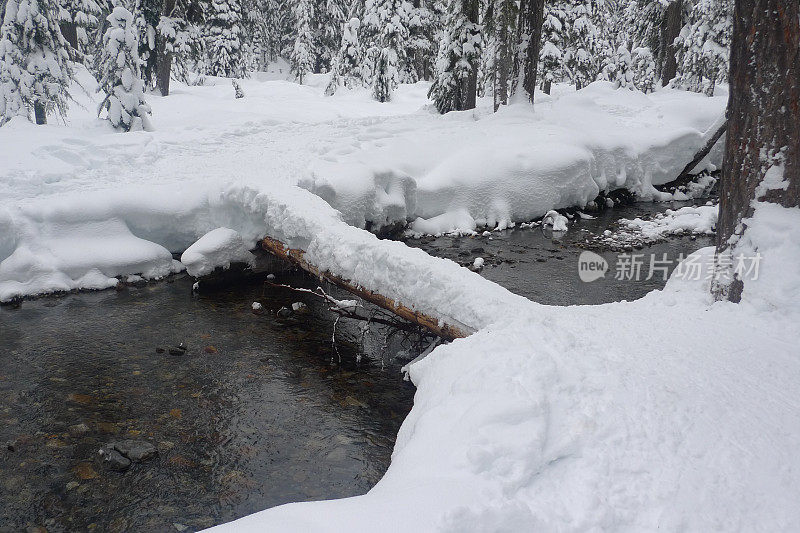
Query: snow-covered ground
x=671, y=412
x=376, y=163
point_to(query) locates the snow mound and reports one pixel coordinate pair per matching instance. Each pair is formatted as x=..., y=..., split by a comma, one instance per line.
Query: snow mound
x=455, y=221
x=698, y=220
x=217, y=248
x=68, y=253
x=555, y=221
x=517, y=164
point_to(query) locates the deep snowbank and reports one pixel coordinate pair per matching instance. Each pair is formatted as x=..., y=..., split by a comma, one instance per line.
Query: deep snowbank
x=517, y=164
x=668, y=413
x=376, y=163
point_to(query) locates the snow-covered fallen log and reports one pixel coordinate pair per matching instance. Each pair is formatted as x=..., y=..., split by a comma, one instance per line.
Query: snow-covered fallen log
x=446, y=328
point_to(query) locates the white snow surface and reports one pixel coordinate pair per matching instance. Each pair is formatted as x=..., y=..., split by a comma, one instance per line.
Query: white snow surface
x=150, y=193
x=218, y=248
x=698, y=220
x=669, y=413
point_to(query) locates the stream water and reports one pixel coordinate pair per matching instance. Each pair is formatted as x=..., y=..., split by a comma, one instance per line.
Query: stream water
x=257, y=412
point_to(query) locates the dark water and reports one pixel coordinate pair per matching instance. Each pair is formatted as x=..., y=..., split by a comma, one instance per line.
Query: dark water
x=543, y=266
x=259, y=411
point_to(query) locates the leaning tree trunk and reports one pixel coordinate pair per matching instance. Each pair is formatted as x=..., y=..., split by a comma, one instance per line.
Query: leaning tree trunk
x=530, y=26
x=763, y=115
x=670, y=28
x=164, y=58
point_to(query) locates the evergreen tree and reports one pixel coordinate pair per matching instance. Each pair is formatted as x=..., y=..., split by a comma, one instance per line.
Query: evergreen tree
x=385, y=34
x=385, y=74
x=582, y=59
x=124, y=102
x=224, y=40
x=148, y=15
x=302, y=57
x=180, y=42
x=329, y=18
x=644, y=69
x=422, y=44
x=79, y=17
x=703, y=46
x=623, y=68
x=552, y=54
x=455, y=85
x=34, y=65
x=347, y=66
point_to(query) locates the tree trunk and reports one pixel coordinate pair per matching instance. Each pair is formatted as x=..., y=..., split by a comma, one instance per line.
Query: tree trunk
x=70, y=33
x=763, y=115
x=716, y=130
x=164, y=58
x=548, y=85
x=39, y=112
x=670, y=28
x=163, y=71
x=530, y=25
x=471, y=85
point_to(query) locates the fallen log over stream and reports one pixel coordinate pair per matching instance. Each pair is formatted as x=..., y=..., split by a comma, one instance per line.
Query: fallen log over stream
x=296, y=257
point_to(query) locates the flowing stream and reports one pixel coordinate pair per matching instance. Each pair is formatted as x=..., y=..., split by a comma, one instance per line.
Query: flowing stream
x=258, y=411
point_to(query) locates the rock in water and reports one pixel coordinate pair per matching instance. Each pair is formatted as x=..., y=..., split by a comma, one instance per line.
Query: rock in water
x=135, y=450
x=115, y=460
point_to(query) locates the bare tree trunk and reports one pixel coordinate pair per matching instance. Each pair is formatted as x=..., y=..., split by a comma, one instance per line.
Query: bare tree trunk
x=39, y=112
x=164, y=58
x=670, y=28
x=530, y=25
x=164, y=67
x=548, y=85
x=471, y=85
x=764, y=117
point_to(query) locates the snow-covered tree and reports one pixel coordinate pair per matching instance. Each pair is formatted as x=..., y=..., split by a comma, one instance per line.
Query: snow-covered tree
x=347, y=66
x=79, y=18
x=644, y=69
x=623, y=68
x=302, y=57
x=422, y=43
x=499, y=47
x=124, y=101
x=34, y=65
x=329, y=19
x=551, y=56
x=385, y=35
x=703, y=46
x=224, y=44
x=385, y=74
x=147, y=16
x=454, y=87
x=583, y=34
